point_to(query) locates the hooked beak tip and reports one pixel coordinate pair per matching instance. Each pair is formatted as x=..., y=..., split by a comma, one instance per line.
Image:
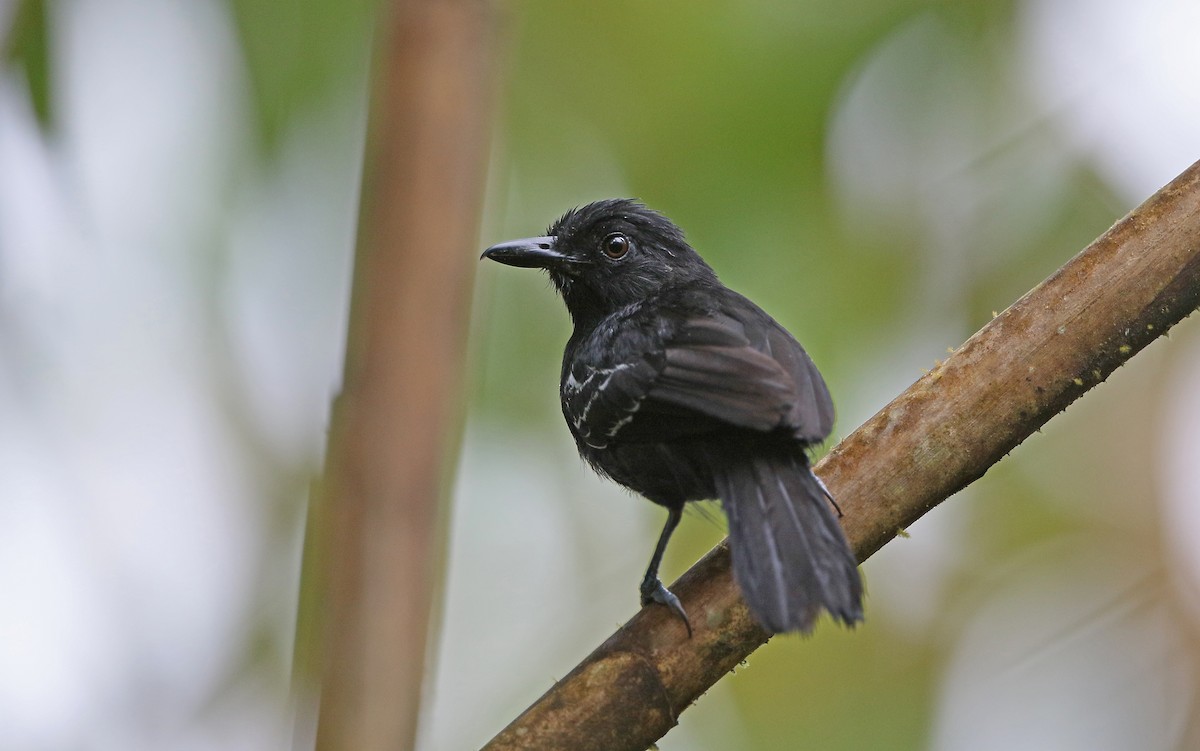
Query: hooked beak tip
x=532, y=252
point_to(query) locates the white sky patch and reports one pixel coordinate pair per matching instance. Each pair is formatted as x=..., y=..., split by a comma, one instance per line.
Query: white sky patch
x=131, y=533
x=1075, y=648
x=1122, y=79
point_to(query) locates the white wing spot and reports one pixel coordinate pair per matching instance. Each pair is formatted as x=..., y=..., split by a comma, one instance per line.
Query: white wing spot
x=608, y=373
x=612, y=432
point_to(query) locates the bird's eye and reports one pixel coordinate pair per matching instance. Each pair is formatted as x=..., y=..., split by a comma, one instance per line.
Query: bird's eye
x=615, y=245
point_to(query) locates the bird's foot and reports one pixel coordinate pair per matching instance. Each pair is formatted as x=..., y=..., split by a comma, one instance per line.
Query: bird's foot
x=653, y=590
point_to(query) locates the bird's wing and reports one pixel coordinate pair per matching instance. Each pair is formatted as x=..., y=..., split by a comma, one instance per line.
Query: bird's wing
x=601, y=401
x=811, y=414
x=711, y=367
x=707, y=371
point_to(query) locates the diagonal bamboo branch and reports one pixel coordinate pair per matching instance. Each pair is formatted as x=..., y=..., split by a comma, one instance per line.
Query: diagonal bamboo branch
x=1025, y=366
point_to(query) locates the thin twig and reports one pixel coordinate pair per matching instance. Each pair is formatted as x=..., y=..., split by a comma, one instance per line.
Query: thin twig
x=1025, y=366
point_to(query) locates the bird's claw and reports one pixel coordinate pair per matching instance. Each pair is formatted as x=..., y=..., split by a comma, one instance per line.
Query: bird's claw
x=653, y=590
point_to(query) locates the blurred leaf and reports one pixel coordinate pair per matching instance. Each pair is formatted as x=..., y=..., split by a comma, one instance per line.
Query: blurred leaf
x=298, y=53
x=28, y=47
x=838, y=690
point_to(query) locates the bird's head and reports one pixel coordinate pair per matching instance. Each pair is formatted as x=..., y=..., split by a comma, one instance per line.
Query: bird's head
x=607, y=255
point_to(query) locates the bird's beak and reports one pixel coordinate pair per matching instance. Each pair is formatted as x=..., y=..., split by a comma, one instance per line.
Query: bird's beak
x=530, y=253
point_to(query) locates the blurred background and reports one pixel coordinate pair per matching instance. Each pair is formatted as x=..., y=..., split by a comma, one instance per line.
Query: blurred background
x=178, y=196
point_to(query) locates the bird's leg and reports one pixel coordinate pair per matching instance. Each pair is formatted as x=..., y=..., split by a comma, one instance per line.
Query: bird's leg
x=652, y=588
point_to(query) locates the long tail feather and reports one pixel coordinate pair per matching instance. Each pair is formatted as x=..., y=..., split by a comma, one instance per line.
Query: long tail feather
x=790, y=557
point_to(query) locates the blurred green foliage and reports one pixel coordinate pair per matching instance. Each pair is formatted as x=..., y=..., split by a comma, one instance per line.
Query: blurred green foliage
x=298, y=55
x=727, y=117
x=27, y=47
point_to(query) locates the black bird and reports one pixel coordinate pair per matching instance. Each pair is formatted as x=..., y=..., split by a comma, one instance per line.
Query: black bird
x=681, y=389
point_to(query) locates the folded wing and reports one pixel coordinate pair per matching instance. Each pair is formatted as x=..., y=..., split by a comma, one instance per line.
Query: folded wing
x=739, y=369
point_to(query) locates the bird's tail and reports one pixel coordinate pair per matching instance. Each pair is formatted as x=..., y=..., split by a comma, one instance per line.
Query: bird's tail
x=790, y=557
